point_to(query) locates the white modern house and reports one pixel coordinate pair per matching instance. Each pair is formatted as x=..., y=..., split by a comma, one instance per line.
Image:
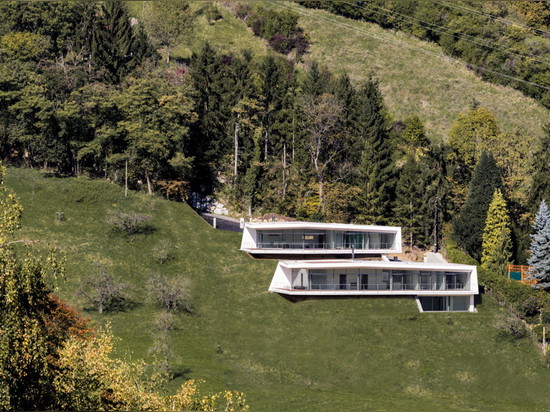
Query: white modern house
x=322, y=239
x=436, y=286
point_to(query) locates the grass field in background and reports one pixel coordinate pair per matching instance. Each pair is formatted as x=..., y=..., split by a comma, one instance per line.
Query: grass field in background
x=316, y=355
x=412, y=82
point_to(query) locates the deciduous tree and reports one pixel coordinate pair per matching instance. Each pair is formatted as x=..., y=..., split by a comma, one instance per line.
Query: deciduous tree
x=168, y=22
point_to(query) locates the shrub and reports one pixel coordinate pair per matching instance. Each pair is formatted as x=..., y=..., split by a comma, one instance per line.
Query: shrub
x=528, y=306
x=281, y=44
x=170, y=294
x=162, y=251
x=510, y=328
x=129, y=223
x=545, y=316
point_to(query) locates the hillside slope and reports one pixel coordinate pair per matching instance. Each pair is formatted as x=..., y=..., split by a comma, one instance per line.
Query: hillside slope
x=415, y=77
x=340, y=354
x=413, y=82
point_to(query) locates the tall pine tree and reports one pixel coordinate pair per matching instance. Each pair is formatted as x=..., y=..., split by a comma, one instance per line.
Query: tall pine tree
x=375, y=173
x=540, y=248
x=415, y=195
x=468, y=227
x=540, y=188
x=497, y=242
x=114, y=45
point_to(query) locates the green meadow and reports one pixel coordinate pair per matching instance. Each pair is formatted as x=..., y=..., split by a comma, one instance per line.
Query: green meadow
x=315, y=355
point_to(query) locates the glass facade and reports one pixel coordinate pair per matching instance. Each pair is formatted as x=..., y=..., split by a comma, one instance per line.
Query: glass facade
x=379, y=279
x=323, y=239
x=445, y=303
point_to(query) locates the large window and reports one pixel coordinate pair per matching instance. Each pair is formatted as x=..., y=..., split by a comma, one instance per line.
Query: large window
x=323, y=239
x=445, y=303
x=385, y=279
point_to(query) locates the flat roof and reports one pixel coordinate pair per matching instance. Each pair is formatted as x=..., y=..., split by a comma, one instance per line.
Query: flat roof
x=317, y=225
x=375, y=264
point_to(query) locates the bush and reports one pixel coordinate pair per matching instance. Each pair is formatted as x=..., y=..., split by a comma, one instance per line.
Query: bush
x=279, y=28
x=130, y=223
x=529, y=306
x=281, y=44
x=545, y=316
x=510, y=328
x=162, y=251
x=170, y=294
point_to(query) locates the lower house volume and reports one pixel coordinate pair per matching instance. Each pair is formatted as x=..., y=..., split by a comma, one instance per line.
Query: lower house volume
x=436, y=286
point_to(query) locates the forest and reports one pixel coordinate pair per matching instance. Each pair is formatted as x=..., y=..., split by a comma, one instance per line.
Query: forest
x=262, y=133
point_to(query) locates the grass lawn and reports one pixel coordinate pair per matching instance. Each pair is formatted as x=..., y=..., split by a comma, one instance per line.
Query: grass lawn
x=316, y=355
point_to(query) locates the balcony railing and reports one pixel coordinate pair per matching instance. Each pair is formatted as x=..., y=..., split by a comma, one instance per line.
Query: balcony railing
x=371, y=287
x=318, y=245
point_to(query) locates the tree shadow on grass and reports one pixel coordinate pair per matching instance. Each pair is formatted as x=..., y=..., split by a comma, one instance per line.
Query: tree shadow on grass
x=181, y=372
x=118, y=307
x=144, y=230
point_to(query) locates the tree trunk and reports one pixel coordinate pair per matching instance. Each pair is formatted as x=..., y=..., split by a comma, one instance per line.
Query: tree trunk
x=236, y=155
x=266, y=140
x=284, y=171
x=167, y=54
x=322, y=196
x=149, y=187
x=126, y=178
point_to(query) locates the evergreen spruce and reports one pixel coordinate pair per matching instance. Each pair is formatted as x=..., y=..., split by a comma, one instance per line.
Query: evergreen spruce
x=315, y=82
x=540, y=248
x=415, y=194
x=497, y=242
x=211, y=136
x=540, y=188
x=375, y=174
x=468, y=227
x=115, y=48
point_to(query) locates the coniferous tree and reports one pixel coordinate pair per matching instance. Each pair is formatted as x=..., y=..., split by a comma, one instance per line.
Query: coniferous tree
x=540, y=188
x=540, y=248
x=497, y=241
x=211, y=135
x=375, y=174
x=114, y=46
x=344, y=91
x=315, y=82
x=415, y=193
x=468, y=227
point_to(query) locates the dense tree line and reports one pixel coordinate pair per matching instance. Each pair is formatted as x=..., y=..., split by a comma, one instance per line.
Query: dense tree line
x=480, y=34
x=84, y=92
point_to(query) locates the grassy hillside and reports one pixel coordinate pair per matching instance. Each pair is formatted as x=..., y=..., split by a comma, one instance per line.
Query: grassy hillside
x=413, y=82
x=344, y=354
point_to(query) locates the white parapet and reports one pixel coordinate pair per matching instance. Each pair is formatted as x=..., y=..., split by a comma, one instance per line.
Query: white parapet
x=437, y=285
x=312, y=238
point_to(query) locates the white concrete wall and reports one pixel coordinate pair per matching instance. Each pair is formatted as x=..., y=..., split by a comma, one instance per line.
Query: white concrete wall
x=281, y=279
x=249, y=238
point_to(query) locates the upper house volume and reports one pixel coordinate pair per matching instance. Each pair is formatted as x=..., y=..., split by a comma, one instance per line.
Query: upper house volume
x=301, y=239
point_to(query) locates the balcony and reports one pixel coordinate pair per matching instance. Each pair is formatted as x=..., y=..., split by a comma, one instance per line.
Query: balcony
x=318, y=245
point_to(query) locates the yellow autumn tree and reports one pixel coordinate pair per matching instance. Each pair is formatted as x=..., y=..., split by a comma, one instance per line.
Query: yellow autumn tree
x=91, y=379
x=497, y=243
